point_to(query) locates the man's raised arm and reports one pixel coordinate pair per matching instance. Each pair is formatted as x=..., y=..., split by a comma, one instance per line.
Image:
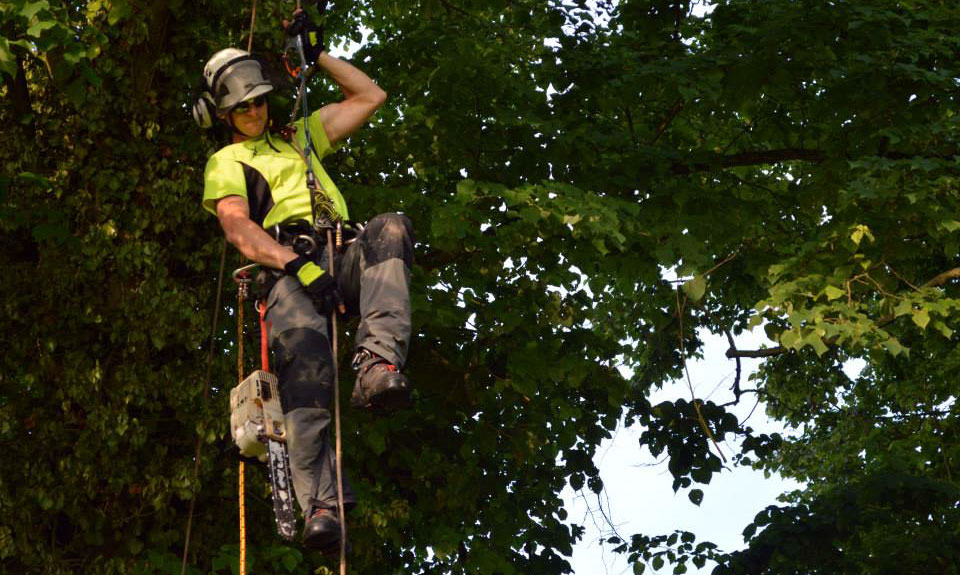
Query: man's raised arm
x=363, y=97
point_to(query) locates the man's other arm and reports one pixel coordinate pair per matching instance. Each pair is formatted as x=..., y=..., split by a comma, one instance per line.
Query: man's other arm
x=363, y=97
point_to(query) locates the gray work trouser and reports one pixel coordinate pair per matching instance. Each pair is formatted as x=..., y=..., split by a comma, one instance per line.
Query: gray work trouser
x=373, y=275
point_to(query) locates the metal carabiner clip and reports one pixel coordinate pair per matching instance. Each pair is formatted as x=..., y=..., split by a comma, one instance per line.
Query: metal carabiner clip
x=304, y=245
x=295, y=42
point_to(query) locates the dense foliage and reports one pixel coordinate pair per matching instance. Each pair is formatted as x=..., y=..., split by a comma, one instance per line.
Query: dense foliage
x=794, y=162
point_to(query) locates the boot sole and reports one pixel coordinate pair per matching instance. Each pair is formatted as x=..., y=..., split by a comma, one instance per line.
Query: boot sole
x=389, y=400
x=323, y=544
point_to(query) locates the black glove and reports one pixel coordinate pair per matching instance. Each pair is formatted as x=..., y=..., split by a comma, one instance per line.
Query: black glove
x=311, y=35
x=318, y=284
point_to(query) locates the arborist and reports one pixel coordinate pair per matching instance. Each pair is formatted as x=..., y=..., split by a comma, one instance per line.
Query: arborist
x=259, y=187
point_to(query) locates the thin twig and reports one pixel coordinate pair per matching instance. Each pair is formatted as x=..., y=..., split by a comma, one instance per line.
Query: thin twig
x=671, y=115
x=693, y=397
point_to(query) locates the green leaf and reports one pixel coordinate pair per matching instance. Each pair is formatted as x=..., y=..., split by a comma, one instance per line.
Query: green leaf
x=466, y=190
x=32, y=8
x=790, y=339
x=816, y=342
x=903, y=308
x=8, y=61
x=859, y=232
x=695, y=288
x=894, y=346
x=376, y=440
x=37, y=29
x=639, y=567
x=950, y=225
x=921, y=317
x=943, y=329
x=696, y=496
x=120, y=10
x=657, y=562
x=833, y=292
x=290, y=561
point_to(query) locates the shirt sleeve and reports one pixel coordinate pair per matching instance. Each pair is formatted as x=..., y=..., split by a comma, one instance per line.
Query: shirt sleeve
x=320, y=141
x=222, y=177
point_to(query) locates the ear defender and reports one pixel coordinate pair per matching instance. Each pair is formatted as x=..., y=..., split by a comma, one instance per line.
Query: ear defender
x=204, y=110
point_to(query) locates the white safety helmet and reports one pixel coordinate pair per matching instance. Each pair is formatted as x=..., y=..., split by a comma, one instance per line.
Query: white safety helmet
x=230, y=77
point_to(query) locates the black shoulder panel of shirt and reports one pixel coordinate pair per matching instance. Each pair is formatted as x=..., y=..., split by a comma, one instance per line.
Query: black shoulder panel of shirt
x=258, y=194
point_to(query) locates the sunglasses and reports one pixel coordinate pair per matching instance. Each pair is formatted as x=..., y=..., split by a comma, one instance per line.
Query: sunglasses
x=242, y=107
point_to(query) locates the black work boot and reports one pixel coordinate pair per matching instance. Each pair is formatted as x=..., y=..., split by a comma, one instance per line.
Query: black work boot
x=380, y=386
x=322, y=530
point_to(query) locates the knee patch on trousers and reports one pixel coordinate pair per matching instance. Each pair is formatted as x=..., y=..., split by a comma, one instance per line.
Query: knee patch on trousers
x=388, y=236
x=304, y=367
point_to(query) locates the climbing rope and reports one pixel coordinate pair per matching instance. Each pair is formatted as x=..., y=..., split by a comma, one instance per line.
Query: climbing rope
x=241, y=467
x=206, y=394
x=243, y=520
x=253, y=21
x=338, y=449
x=322, y=218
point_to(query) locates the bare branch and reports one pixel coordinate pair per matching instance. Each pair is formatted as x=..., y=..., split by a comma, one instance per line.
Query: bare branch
x=668, y=120
x=736, y=382
x=943, y=278
x=769, y=352
x=750, y=159
x=714, y=162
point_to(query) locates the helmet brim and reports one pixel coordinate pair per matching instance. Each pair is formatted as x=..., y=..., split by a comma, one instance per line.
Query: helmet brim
x=241, y=81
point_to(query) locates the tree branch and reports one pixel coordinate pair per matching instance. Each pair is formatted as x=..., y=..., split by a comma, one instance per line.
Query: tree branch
x=715, y=162
x=668, y=120
x=749, y=159
x=736, y=382
x=734, y=353
x=943, y=278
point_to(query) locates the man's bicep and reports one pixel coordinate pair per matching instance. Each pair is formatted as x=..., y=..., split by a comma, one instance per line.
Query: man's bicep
x=341, y=119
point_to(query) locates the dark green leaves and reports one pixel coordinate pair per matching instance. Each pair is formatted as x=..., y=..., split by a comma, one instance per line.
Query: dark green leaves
x=793, y=162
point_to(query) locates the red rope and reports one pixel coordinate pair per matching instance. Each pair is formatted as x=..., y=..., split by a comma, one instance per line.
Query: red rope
x=264, y=326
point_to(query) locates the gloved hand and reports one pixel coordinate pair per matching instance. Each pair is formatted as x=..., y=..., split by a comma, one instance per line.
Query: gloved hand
x=313, y=41
x=318, y=284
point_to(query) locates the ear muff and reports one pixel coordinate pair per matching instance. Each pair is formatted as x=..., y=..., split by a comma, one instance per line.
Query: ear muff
x=204, y=110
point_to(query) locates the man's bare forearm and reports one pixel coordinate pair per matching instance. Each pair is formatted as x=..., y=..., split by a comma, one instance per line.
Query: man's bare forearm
x=255, y=243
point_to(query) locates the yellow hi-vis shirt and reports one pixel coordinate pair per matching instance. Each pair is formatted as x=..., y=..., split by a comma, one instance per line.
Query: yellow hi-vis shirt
x=271, y=174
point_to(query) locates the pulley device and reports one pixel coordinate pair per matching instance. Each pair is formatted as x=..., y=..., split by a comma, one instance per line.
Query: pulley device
x=256, y=416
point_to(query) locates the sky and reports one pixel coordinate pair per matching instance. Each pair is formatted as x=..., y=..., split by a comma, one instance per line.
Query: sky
x=638, y=497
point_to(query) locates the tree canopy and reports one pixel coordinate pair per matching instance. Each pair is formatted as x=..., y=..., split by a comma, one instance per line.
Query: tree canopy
x=591, y=184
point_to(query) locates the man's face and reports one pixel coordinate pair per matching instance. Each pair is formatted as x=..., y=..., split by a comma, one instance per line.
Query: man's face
x=250, y=117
